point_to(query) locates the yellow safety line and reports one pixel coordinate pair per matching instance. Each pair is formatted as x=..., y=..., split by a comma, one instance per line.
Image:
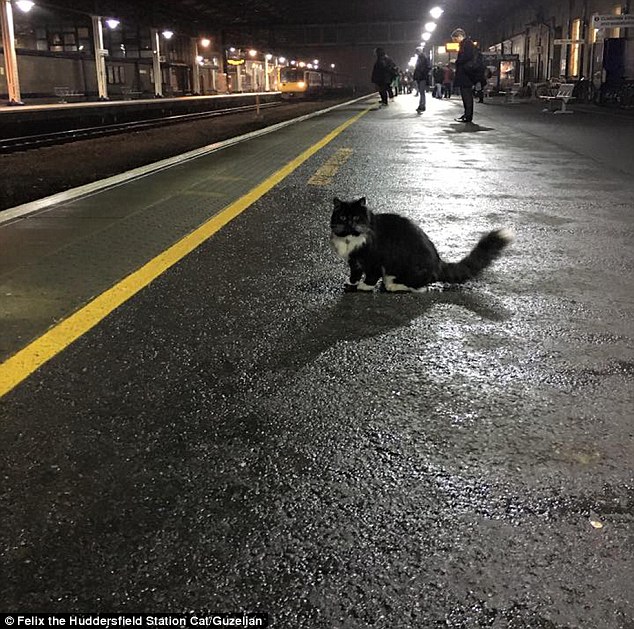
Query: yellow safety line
x=22, y=364
x=326, y=173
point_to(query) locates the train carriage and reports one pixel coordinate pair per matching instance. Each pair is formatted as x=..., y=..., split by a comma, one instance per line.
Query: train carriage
x=307, y=83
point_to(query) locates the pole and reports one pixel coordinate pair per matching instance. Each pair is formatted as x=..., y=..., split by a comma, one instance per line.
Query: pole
x=156, y=63
x=238, y=79
x=100, y=58
x=267, y=86
x=195, y=69
x=10, y=59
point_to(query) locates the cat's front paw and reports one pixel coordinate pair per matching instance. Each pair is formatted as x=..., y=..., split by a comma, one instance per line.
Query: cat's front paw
x=366, y=288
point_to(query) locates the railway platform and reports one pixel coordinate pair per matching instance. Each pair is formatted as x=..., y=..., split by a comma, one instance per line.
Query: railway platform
x=195, y=415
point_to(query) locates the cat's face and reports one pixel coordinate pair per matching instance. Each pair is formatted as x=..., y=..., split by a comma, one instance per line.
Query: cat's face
x=350, y=218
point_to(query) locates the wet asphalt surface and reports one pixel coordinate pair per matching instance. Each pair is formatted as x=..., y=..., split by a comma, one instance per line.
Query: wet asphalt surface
x=244, y=435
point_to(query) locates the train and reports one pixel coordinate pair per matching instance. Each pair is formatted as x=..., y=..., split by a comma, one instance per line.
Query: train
x=297, y=83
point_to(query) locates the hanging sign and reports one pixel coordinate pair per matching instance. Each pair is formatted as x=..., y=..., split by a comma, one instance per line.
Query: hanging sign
x=613, y=21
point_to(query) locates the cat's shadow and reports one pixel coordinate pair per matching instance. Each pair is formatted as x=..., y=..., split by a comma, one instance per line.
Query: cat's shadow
x=356, y=316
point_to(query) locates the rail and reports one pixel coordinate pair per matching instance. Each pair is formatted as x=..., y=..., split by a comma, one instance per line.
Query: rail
x=29, y=142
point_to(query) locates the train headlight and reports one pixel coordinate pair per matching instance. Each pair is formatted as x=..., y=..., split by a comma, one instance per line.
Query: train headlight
x=301, y=84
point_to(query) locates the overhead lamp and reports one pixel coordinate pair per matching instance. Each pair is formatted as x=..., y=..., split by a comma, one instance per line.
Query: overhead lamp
x=430, y=27
x=112, y=23
x=25, y=5
x=436, y=12
x=316, y=61
x=168, y=34
x=302, y=64
x=426, y=36
x=282, y=59
x=268, y=56
x=252, y=52
x=332, y=65
x=204, y=42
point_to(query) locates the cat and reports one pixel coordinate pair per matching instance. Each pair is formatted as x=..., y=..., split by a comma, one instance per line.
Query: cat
x=394, y=248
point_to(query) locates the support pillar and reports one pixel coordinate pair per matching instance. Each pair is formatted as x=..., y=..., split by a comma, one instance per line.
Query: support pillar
x=156, y=63
x=100, y=57
x=10, y=59
x=195, y=68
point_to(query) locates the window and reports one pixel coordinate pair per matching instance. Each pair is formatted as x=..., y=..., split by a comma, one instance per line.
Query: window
x=116, y=75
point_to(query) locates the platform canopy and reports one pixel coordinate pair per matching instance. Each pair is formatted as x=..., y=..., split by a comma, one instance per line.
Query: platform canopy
x=222, y=13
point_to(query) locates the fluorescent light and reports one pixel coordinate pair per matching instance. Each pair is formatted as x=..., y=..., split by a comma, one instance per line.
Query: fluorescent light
x=25, y=5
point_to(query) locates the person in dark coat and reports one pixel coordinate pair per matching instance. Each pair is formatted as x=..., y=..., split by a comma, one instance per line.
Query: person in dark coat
x=383, y=73
x=421, y=76
x=462, y=79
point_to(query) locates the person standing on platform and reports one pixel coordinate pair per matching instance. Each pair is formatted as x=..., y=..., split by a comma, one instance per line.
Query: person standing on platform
x=383, y=74
x=421, y=76
x=439, y=76
x=463, y=80
x=447, y=81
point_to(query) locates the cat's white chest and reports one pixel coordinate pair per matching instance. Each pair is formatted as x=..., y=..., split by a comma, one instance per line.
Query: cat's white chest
x=345, y=245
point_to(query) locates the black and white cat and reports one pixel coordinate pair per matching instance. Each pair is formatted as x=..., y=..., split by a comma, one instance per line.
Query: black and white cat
x=394, y=248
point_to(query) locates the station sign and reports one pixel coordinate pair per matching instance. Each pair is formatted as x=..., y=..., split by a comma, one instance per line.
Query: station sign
x=613, y=21
x=495, y=57
x=564, y=42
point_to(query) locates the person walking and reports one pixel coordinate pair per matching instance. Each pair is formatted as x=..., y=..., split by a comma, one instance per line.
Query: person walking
x=463, y=80
x=421, y=76
x=383, y=73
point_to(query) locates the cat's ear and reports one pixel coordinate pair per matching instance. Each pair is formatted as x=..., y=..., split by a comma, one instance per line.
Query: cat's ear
x=336, y=202
x=362, y=201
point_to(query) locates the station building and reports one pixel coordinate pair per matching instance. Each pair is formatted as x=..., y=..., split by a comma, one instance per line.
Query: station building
x=560, y=39
x=70, y=55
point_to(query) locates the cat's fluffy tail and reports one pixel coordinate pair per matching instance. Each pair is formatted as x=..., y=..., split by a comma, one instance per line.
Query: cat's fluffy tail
x=488, y=249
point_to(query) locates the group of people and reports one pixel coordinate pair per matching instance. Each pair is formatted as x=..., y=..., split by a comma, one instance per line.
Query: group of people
x=470, y=72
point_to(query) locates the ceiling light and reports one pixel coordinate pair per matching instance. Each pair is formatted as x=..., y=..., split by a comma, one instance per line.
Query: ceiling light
x=204, y=42
x=168, y=34
x=25, y=5
x=436, y=12
x=426, y=36
x=430, y=27
x=112, y=23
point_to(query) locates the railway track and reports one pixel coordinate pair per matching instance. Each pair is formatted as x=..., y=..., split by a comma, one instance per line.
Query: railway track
x=29, y=142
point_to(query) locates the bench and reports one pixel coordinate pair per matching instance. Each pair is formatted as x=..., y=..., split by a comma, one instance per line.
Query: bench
x=512, y=93
x=563, y=95
x=128, y=93
x=64, y=93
